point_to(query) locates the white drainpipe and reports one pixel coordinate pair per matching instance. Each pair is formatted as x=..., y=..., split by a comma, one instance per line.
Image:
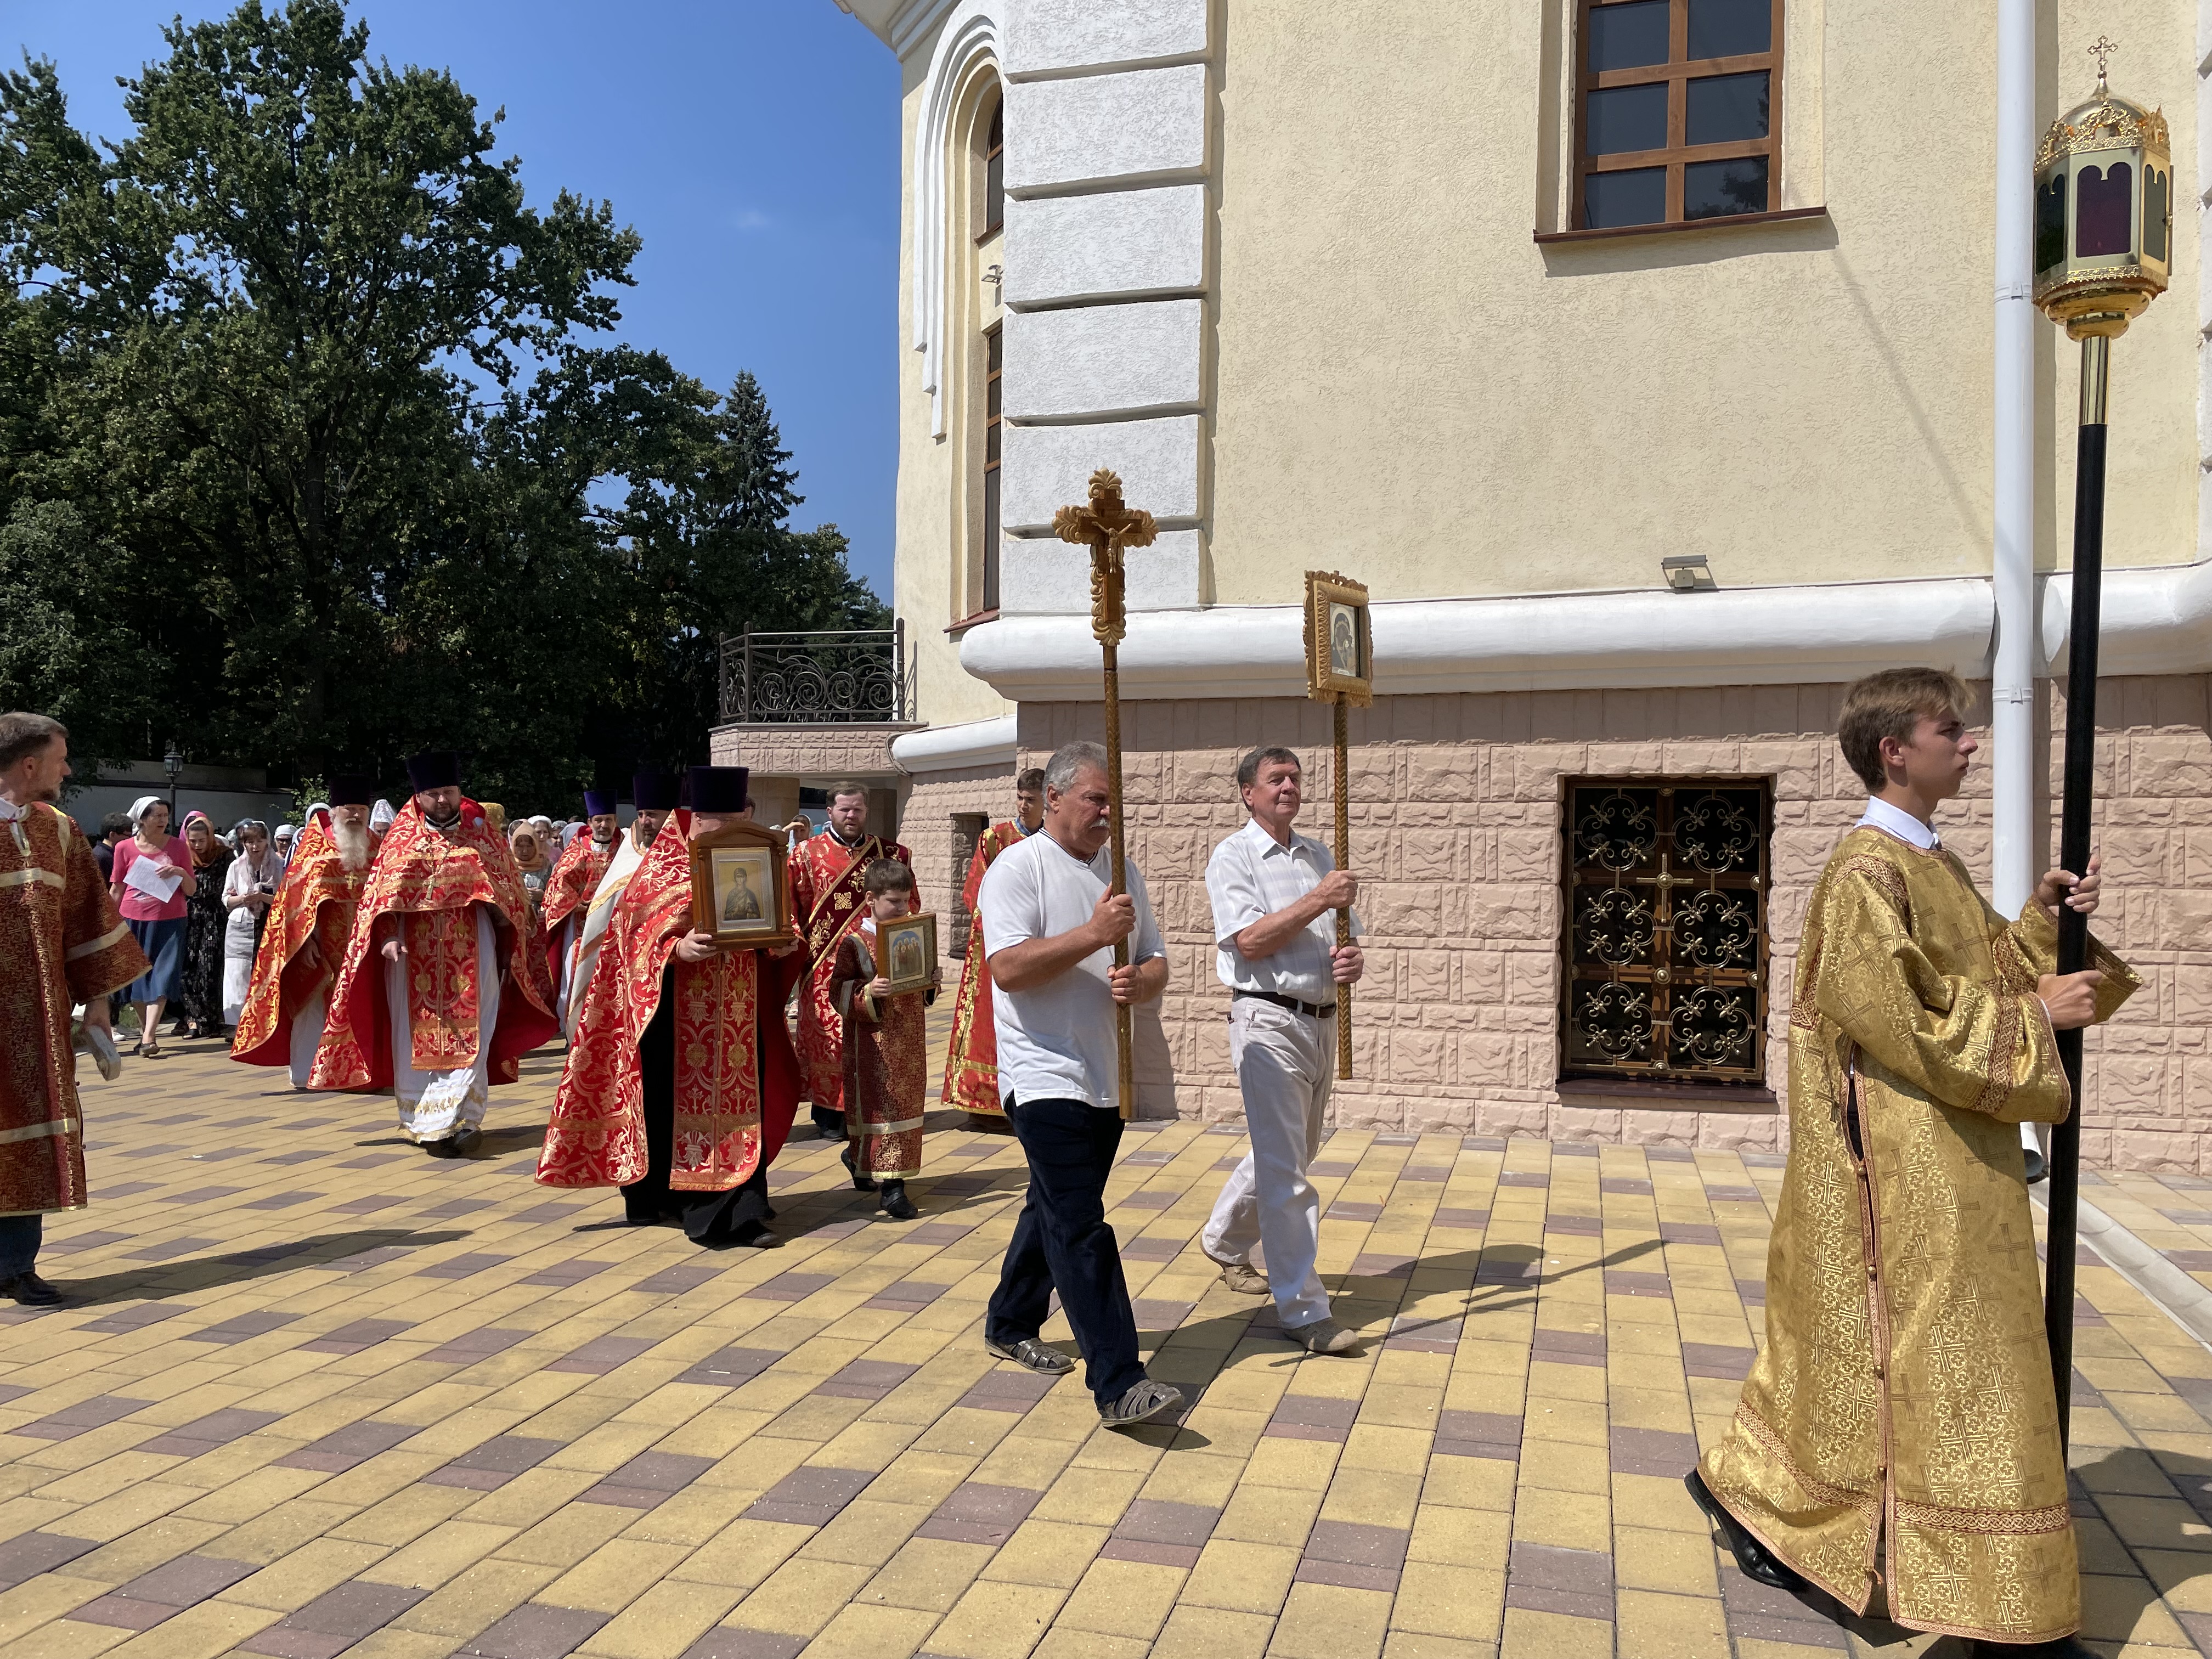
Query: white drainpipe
x=2011, y=688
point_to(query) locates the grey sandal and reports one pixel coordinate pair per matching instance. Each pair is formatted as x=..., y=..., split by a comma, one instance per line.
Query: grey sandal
x=1145, y=1401
x=1032, y=1355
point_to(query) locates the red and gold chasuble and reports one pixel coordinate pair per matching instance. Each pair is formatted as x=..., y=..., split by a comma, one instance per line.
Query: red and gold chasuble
x=971, y=1061
x=737, y=1080
x=317, y=900
x=61, y=942
x=568, y=890
x=433, y=883
x=829, y=900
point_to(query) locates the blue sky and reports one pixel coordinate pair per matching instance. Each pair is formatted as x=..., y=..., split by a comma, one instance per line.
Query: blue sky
x=753, y=144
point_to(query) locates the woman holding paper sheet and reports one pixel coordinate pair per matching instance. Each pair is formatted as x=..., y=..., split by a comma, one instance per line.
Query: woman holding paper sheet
x=152, y=877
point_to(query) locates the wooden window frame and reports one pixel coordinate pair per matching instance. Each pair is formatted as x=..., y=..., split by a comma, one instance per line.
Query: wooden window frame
x=995, y=359
x=1663, y=975
x=1676, y=72
x=995, y=174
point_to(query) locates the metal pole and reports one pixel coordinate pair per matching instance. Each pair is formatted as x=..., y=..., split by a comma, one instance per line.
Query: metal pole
x=1344, y=912
x=2073, y=852
x=1123, y=1051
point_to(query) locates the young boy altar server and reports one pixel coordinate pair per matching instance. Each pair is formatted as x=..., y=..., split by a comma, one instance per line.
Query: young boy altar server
x=1898, y=1432
x=886, y=1049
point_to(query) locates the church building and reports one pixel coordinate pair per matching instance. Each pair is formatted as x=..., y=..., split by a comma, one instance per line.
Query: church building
x=1650, y=362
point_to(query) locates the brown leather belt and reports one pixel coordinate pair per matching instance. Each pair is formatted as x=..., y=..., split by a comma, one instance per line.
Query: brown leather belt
x=1310, y=1010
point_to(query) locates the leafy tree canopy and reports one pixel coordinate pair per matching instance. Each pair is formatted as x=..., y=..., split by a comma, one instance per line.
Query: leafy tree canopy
x=308, y=456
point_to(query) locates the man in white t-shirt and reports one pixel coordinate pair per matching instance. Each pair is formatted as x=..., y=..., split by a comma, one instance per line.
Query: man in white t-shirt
x=1049, y=927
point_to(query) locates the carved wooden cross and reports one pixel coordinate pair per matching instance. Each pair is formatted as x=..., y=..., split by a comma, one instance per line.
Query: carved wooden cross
x=1106, y=526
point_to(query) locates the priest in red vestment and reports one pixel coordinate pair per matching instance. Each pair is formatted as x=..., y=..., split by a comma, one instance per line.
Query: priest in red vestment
x=828, y=903
x=971, y=1058
x=568, y=890
x=444, y=986
x=655, y=792
x=306, y=936
x=62, y=942
x=680, y=1083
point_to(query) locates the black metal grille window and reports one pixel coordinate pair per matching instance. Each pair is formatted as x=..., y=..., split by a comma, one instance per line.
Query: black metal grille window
x=1666, y=949
x=857, y=676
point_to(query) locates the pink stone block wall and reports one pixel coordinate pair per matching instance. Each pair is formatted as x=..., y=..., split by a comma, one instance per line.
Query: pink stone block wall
x=1455, y=834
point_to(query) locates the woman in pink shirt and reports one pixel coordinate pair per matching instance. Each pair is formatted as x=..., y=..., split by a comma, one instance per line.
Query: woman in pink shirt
x=158, y=924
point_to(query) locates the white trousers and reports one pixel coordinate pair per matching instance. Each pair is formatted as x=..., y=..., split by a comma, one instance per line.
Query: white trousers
x=308, y=1032
x=433, y=1104
x=1285, y=1062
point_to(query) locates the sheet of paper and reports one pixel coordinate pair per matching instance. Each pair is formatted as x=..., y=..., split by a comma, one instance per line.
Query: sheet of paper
x=143, y=876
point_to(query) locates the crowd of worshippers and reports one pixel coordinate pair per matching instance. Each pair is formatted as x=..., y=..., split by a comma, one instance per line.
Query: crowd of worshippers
x=1902, y=1293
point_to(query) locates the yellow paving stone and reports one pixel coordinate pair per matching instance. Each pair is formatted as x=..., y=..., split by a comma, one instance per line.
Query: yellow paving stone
x=1204, y=1478
x=1048, y=1553
x=1099, y=1498
x=142, y=1551
x=866, y=1532
x=1376, y=1497
x=1451, y=1599
x=110, y=1517
x=1064, y=1642
x=1563, y=1466
x=297, y=1578
x=1660, y=1501
x=1123, y=1598
x=614, y=1575
x=486, y=1592
x=928, y=1573
x=50, y=1595
x=1326, y=1621
x=694, y=1515
x=1553, y=1636
x=67, y=1638
x=451, y=1547
x=994, y=1621
x=1679, y=1563
x=2115, y=1609
x=1417, y=1644
x=1670, y=1626
x=861, y=1632
x=197, y=1632
x=1241, y=1578
x=1485, y=1483
x=743, y=1554
x=1569, y=1519
x=801, y=1596
x=530, y=1496
x=920, y=1477
x=405, y=1515
x=1269, y=1515
x=1471, y=1538
x=2162, y=1523
x=568, y=1535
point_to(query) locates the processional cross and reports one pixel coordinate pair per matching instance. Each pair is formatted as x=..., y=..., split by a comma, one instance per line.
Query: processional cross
x=1107, y=526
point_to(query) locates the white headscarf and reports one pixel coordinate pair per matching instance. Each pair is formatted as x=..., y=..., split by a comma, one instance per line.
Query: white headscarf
x=381, y=817
x=142, y=804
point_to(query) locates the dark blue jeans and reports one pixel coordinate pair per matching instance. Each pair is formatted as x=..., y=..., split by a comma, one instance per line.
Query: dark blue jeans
x=1062, y=1243
x=19, y=1244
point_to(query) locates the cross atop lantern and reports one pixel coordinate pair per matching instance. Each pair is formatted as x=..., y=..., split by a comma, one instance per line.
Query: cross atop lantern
x=2104, y=212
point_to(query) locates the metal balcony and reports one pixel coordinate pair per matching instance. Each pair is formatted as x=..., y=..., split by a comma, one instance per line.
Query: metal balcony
x=836, y=676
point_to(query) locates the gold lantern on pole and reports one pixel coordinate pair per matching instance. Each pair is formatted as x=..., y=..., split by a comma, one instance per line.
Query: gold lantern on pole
x=2104, y=243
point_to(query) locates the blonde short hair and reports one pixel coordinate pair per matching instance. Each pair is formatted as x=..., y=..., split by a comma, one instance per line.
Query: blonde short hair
x=1892, y=704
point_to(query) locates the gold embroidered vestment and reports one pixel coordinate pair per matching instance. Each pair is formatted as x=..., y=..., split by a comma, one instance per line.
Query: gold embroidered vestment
x=1905, y=1389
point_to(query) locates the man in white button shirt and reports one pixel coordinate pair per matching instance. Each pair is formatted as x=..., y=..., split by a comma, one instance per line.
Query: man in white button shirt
x=1049, y=927
x=1275, y=893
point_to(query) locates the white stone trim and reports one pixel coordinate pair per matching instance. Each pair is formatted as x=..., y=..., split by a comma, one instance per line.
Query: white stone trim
x=1107, y=131
x=1046, y=578
x=2154, y=621
x=1748, y=636
x=973, y=743
x=969, y=40
x=1048, y=467
x=1091, y=37
x=1122, y=245
x=1104, y=362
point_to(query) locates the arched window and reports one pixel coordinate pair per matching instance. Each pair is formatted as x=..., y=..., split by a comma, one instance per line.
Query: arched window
x=985, y=209
x=995, y=170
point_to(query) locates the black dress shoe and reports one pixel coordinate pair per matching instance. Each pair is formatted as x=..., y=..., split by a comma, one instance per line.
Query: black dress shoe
x=466, y=1140
x=1757, y=1561
x=895, y=1203
x=442, y=1147
x=2036, y=1168
x=31, y=1291
x=860, y=1183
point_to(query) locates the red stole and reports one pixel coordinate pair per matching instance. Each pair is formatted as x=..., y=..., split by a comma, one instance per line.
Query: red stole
x=971, y=1060
x=317, y=900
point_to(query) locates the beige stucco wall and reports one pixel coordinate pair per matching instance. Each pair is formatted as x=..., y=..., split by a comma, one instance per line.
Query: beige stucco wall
x=1407, y=388
x=934, y=474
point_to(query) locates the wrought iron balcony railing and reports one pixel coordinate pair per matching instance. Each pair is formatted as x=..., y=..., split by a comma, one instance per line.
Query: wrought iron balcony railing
x=839, y=677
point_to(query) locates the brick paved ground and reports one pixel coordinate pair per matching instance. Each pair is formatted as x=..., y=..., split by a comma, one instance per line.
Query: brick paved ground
x=326, y=1395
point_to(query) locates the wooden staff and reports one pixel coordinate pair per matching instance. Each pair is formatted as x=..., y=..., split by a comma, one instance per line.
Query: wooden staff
x=1106, y=527
x=1343, y=911
x=1327, y=596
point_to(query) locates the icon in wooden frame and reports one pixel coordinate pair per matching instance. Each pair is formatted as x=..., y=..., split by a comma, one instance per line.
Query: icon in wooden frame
x=906, y=951
x=1340, y=644
x=739, y=893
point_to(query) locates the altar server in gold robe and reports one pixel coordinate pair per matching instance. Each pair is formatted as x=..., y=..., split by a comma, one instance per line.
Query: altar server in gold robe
x=1898, y=1435
x=62, y=942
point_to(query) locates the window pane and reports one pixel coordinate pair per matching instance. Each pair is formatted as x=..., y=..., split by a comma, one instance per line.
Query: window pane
x=1623, y=119
x=996, y=349
x=1724, y=108
x=1629, y=36
x=1730, y=28
x=1637, y=197
x=991, y=539
x=1712, y=190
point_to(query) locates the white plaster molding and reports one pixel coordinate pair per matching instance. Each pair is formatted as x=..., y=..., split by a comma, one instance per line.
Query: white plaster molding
x=2155, y=621
x=1108, y=131
x=1104, y=362
x=956, y=748
x=1123, y=245
x=1048, y=467
x=1039, y=577
x=1747, y=637
x=969, y=38
x=1079, y=37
